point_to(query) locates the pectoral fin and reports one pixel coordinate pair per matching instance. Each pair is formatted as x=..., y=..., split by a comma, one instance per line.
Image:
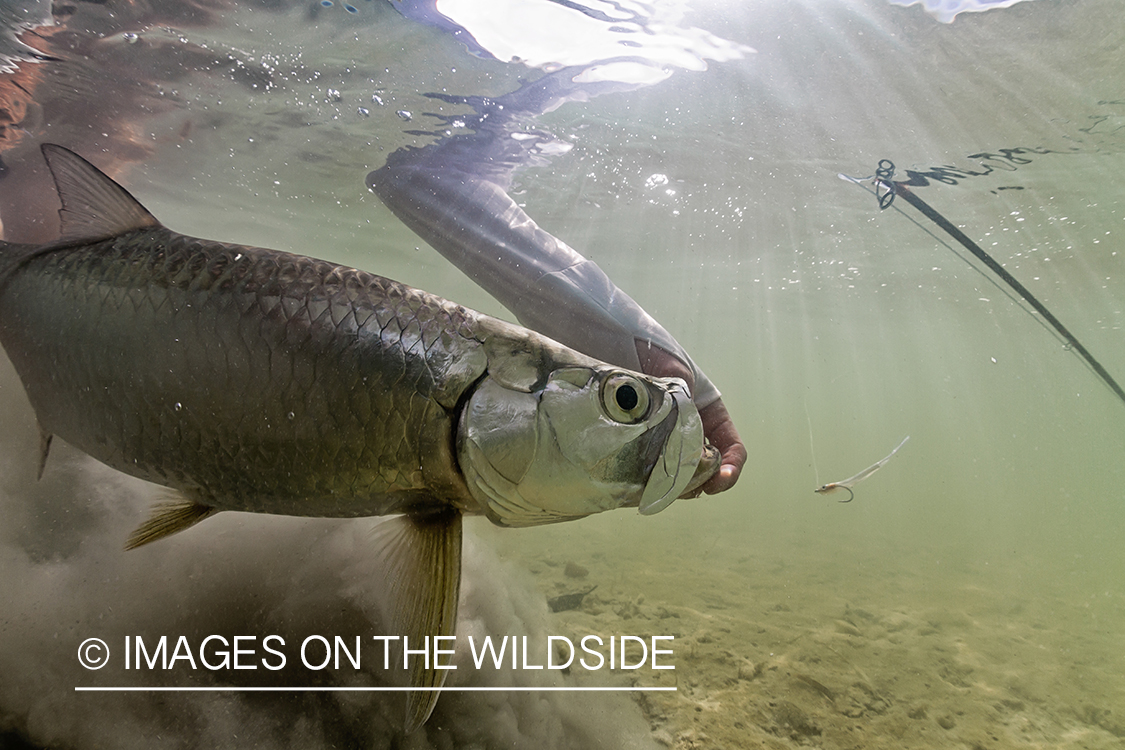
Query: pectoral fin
x=176, y=513
x=422, y=568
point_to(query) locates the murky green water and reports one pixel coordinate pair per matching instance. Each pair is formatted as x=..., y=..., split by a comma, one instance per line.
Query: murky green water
x=973, y=594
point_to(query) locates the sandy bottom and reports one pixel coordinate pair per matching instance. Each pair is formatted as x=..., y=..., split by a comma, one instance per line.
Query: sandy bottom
x=801, y=650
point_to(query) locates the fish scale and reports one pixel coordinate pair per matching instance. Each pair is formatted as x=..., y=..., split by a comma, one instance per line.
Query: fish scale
x=255, y=368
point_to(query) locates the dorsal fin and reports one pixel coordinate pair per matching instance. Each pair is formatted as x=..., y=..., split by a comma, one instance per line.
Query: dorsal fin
x=94, y=207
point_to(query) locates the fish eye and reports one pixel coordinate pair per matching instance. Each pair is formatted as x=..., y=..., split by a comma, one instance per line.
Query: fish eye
x=625, y=398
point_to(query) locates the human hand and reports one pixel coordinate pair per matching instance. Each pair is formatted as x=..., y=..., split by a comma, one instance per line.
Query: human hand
x=718, y=427
x=721, y=433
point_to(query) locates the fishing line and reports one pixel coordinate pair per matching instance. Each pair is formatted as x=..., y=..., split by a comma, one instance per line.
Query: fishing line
x=886, y=190
x=812, y=448
x=1015, y=299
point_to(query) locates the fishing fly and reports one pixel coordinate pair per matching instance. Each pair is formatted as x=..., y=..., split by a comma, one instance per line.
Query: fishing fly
x=847, y=484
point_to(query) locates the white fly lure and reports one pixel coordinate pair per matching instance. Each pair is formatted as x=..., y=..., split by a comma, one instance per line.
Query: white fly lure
x=847, y=484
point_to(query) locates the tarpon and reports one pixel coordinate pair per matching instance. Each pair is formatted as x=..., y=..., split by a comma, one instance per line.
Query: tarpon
x=249, y=379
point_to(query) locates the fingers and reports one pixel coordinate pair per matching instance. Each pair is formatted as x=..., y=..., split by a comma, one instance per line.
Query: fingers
x=720, y=431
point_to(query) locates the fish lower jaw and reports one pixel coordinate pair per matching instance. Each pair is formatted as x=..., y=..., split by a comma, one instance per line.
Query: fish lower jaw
x=707, y=467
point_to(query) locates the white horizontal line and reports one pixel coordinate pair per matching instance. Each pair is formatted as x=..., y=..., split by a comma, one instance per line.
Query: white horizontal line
x=364, y=689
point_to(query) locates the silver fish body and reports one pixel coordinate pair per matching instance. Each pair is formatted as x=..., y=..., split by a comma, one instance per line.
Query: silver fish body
x=257, y=380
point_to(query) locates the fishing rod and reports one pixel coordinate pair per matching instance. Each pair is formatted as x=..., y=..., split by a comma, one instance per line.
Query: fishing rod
x=886, y=190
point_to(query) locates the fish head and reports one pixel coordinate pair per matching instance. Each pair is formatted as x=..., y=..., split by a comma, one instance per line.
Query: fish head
x=588, y=439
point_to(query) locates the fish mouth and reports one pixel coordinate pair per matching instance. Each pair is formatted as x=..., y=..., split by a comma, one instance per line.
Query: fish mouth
x=708, y=465
x=684, y=463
